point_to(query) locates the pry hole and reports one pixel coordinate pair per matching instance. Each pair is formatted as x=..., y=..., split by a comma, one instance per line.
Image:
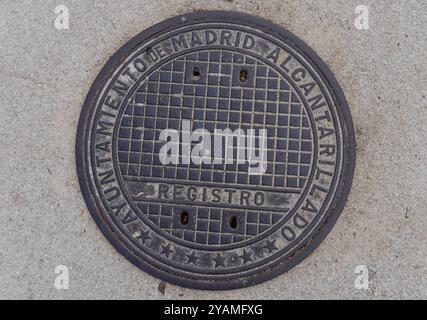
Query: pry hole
x=243, y=75
x=196, y=73
x=234, y=222
x=185, y=217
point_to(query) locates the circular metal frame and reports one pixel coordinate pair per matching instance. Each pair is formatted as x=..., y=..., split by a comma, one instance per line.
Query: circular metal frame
x=348, y=148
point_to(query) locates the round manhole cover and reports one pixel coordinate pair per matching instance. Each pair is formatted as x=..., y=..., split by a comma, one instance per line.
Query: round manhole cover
x=215, y=150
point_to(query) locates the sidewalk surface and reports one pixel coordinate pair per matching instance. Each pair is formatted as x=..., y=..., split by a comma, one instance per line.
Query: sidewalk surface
x=46, y=73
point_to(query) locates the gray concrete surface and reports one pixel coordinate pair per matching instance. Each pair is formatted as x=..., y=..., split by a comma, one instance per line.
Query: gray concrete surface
x=46, y=73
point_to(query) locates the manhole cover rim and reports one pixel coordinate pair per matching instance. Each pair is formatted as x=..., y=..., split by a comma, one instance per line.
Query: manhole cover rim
x=338, y=199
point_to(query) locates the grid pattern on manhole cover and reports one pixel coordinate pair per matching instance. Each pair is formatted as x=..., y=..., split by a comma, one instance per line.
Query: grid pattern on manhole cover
x=217, y=99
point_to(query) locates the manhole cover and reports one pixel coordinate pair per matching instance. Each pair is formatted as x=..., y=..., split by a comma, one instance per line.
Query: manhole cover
x=215, y=150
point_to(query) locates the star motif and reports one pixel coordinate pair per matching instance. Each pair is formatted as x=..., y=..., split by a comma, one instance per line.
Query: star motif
x=166, y=250
x=155, y=243
x=219, y=260
x=205, y=260
x=258, y=251
x=270, y=246
x=144, y=235
x=192, y=258
x=246, y=256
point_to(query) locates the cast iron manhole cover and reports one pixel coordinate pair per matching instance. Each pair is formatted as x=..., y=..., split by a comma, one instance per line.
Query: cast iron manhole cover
x=215, y=150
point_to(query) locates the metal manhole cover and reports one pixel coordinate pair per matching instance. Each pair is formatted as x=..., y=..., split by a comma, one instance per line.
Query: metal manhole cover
x=215, y=150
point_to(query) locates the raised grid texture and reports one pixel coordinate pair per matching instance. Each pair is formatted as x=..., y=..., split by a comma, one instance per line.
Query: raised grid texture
x=217, y=99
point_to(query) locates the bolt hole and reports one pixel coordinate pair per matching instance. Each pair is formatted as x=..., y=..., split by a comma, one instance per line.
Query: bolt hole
x=243, y=75
x=185, y=217
x=196, y=73
x=234, y=222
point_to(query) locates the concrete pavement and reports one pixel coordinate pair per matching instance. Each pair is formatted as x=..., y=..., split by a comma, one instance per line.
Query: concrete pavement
x=46, y=74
